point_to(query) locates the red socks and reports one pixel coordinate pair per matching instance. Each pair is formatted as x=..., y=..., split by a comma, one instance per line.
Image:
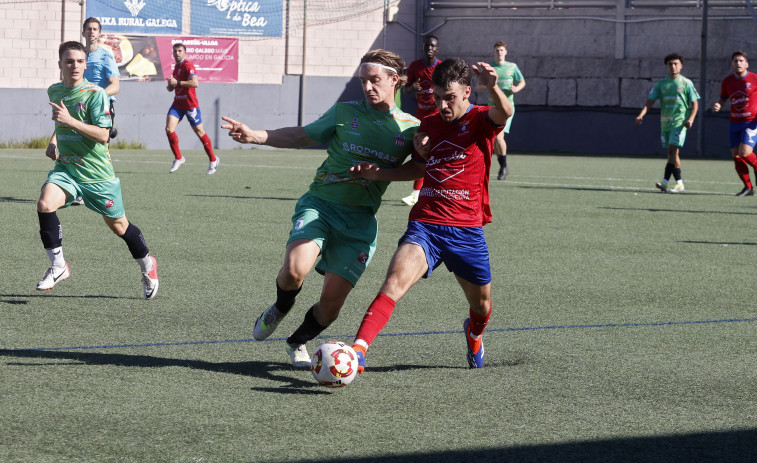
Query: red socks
x=208, y=145
x=476, y=328
x=173, y=141
x=376, y=318
x=742, y=170
x=418, y=184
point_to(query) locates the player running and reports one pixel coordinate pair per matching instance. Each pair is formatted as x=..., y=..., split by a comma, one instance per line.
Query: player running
x=741, y=88
x=83, y=167
x=336, y=218
x=184, y=82
x=446, y=222
x=678, y=110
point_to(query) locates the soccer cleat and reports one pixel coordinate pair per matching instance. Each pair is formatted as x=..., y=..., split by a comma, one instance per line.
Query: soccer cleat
x=79, y=201
x=663, y=186
x=475, y=359
x=677, y=188
x=299, y=355
x=746, y=192
x=53, y=276
x=176, y=164
x=113, y=132
x=410, y=200
x=503, y=171
x=267, y=322
x=360, y=351
x=150, y=280
x=213, y=166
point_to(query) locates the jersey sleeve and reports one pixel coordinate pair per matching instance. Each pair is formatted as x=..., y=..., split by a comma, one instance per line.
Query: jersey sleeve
x=99, y=112
x=517, y=75
x=692, y=93
x=324, y=128
x=723, y=90
x=487, y=127
x=111, y=68
x=654, y=94
x=411, y=75
x=191, y=69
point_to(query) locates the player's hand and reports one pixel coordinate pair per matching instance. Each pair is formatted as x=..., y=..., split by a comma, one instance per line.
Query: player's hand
x=170, y=87
x=417, y=85
x=52, y=151
x=421, y=144
x=486, y=74
x=366, y=170
x=639, y=120
x=61, y=114
x=238, y=131
x=173, y=82
x=716, y=107
x=687, y=124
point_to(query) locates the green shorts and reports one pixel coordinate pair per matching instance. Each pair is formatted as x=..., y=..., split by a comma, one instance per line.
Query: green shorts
x=102, y=197
x=345, y=234
x=674, y=137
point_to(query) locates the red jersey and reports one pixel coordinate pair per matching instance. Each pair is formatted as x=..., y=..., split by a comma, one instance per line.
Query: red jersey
x=419, y=71
x=456, y=184
x=743, y=95
x=186, y=97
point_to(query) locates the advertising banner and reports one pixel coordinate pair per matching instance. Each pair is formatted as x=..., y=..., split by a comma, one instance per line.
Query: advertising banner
x=262, y=18
x=137, y=16
x=150, y=58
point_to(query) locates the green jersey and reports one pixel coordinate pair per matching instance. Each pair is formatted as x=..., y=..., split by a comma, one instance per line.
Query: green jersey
x=676, y=96
x=508, y=75
x=84, y=159
x=355, y=132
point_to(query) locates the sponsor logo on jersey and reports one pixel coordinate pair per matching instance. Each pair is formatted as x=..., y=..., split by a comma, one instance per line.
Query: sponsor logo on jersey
x=108, y=203
x=299, y=223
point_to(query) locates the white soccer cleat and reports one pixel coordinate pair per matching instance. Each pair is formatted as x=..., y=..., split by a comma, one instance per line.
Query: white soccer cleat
x=410, y=200
x=150, y=281
x=176, y=164
x=53, y=276
x=677, y=188
x=213, y=166
x=267, y=322
x=299, y=355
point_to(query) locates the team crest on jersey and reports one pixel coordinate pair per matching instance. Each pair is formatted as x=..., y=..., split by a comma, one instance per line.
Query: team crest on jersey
x=362, y=258
x=354, y=124
x=80, y=106
x=399, y=140
x=463, y=128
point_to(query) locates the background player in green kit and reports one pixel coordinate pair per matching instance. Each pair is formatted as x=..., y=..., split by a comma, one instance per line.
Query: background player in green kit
x=511, y=81
x=336, y=218
x=83, y=167
x=678, y=109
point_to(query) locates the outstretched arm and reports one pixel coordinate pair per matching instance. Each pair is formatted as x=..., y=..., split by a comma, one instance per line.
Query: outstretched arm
x=287, y=137
x=487, y=77
x=410, y=170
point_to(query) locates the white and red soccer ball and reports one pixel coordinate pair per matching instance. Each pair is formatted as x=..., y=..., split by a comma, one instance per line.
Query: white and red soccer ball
x=334, y=364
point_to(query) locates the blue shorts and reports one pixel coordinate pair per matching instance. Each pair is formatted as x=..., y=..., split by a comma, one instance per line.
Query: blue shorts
x=742, y=133
x=462, y=249
x=194, y=116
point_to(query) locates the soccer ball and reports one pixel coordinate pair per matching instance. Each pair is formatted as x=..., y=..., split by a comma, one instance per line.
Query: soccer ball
x=334, y=364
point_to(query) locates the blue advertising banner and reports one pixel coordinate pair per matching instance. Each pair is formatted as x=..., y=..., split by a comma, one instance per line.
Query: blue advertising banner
x=137, y=16
x=237, y=18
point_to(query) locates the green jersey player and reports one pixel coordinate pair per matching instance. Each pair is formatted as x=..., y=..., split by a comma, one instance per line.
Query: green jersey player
x=678, y=109
x=336, y=219
x=511, y=81
x=83, y=168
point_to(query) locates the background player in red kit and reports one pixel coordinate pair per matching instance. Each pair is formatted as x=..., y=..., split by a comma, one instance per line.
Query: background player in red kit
x=419, y=81
x=184, y=82
x=446, y=224
x=741, y=89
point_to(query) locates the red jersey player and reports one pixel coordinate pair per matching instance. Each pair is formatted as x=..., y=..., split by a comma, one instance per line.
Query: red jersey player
x=446, y=223
x=741, y=89
x=419, y=81
x=184, y=82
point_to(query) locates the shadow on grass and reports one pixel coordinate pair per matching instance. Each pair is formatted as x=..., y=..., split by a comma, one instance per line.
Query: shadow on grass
x=684, y=211
x=613, y=190
x=721, y=243
x=9, y=199
x=20, y=299
x=271, y=198
x=725, y=446
x=264, y=370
